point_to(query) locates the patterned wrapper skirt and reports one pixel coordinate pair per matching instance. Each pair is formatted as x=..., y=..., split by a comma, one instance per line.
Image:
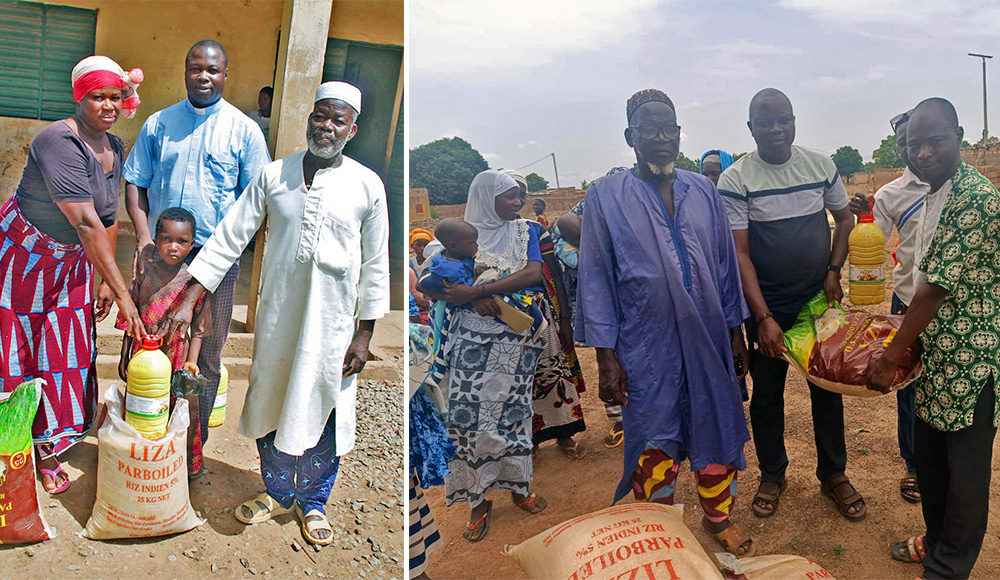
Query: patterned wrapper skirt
x=47, y=327
x=558, y=381
x=489, y=378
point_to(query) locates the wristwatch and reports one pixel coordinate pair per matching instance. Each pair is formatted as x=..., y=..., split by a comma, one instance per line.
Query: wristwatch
x=832, y=268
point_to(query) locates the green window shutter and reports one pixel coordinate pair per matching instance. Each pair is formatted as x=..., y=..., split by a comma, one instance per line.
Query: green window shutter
x=20, y=59
x=336, y=60
x=39, y=46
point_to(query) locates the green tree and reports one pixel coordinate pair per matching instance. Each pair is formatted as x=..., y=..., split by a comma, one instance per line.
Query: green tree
x=683, y=162
x=966, y=144
x=887, y=155
x=738, y=155
x=988, y=141
x=536, y=182
x=848, y=161
x=585, y=184
x=445, y=167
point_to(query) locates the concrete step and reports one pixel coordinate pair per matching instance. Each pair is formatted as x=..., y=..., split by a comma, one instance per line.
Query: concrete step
x=107, y=367
x=239, y=368
x=387, y=341
x=384, y=364
x=239, y=343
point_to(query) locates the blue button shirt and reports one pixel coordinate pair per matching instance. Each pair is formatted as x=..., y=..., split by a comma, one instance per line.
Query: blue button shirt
x=198, y=159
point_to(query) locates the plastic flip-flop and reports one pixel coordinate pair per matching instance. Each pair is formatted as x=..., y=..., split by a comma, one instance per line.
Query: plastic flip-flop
x=53, y=473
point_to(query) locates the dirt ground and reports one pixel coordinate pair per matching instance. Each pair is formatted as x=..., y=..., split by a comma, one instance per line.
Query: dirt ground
x=805, y=524
x=365, y=510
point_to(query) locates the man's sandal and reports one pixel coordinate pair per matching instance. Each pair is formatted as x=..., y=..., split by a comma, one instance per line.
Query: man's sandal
x=732, y=539
x=769, y=492
x=482, y=523
x=53, y=474
x=911, y=551
x=909, y=489
x=261, y=508
x=614, y=438
x=532, y=504
x=313, y=521
x=843, y=494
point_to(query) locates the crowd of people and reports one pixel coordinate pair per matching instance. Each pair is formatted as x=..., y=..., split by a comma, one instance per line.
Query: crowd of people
x=684, y=283
x=199, y=182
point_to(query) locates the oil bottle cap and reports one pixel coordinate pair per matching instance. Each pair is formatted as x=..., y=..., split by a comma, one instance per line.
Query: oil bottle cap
x=867, y=218
x=150, y=342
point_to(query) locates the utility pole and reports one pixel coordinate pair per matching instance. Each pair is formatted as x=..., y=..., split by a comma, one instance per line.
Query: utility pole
x=986, y=130
x=556, y=168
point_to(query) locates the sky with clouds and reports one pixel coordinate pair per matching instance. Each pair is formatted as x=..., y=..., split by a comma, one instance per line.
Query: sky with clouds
x=520, y=79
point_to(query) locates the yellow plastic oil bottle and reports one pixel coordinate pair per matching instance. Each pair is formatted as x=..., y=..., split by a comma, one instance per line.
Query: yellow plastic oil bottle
x=867, y=259
x=147, y=390
x=218, y=416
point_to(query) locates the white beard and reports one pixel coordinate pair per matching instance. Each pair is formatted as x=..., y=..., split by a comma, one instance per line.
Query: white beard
x=661, y=169
x=325, y=151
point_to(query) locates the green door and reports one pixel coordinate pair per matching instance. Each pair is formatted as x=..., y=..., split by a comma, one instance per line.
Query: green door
x=374, y=68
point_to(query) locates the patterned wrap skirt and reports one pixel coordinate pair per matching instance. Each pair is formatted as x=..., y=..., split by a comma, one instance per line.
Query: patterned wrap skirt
x=489, y=384
x=47, y=328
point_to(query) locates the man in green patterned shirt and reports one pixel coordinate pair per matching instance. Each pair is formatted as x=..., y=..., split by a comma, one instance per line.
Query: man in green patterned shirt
x=956, y=314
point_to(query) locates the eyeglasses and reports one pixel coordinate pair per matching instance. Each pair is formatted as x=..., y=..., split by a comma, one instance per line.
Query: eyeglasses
x=898, y=120
x=654, y=131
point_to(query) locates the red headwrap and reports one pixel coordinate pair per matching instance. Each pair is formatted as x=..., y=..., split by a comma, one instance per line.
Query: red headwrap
x=93, y=80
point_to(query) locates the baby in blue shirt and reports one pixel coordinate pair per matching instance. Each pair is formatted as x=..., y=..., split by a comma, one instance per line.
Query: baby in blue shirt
x=456, y=264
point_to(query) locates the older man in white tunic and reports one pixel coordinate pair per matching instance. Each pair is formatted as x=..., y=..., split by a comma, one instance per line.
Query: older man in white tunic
x=325, y=280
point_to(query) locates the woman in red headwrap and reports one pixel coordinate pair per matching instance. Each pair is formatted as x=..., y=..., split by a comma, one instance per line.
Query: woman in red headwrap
x=59, y=226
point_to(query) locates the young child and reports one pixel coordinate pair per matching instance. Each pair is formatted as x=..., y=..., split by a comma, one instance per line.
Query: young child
x=568, y=227
x=455, y=264
x=155, y=293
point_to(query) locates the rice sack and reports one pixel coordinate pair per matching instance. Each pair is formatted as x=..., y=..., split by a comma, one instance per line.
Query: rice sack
x=21, y=520
x=639, y=540
x=832, y=347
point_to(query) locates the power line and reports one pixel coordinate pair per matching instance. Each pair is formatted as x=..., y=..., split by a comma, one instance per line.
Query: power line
x=547, y=155
x=554, y=166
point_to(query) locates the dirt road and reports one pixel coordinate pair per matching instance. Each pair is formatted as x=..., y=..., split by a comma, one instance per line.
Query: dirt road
x=365, y=509
x=806, y=523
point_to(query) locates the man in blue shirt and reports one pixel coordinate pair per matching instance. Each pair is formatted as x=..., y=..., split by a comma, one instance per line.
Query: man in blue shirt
x=198, y=154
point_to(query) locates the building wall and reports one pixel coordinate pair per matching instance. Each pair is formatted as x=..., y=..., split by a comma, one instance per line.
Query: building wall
x=376, y=21
x=557, y=202
x=155, y=35
x=980, y=156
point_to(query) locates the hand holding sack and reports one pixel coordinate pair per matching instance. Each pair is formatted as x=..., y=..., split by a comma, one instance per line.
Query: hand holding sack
x=832, y=347
x=142, y=484
x=21, y=520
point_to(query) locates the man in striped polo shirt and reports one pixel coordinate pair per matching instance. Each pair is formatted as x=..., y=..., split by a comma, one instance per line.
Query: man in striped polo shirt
x=777, y=198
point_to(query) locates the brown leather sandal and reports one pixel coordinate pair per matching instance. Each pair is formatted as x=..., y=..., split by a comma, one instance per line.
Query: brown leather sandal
x=843, y=494
x=769, y=492
x=732, y=539
x=909, y=489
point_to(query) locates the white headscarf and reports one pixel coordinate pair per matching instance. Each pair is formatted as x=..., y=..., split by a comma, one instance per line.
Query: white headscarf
x=518, y=178
x=503, y=244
